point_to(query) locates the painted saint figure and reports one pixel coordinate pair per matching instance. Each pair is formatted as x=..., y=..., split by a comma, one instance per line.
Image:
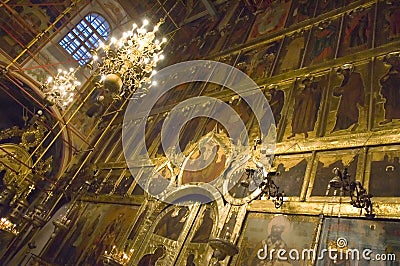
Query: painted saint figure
x=272, y=19
x=303, y=11
x=170, y=226
x=393, y=20
x=274, y=241
x=390, y=89
x=294, y=51
x=276, y=102
x=358, y=33
x=351, y=93
x=152, y=258
x=264, y=60
x=204, y=231
x=324, y=45
x=190, y=260
x=306, y=106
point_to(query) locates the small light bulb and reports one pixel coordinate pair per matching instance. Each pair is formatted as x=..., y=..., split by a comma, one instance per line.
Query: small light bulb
x=59, y=70
x=113, y=40
x=154, y=83
x=95, y=58
x=71, y=70
x=161, y=57
x=145, y=22
x=134, y=26
x=164, y=39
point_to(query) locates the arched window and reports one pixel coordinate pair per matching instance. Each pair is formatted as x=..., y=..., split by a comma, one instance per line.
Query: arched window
x=86, y=35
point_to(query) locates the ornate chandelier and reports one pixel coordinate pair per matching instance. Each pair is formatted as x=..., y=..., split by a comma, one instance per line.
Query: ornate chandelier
x=60, y=90
x=126, y=64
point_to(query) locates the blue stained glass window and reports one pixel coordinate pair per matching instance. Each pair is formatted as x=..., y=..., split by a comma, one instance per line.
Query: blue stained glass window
x=86, y=35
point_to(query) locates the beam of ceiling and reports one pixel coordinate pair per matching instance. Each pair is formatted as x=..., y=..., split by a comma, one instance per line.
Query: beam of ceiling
x=210, y=8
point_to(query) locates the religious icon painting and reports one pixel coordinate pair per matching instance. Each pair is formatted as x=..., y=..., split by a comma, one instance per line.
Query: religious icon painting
x=209, y=125
x=173, y=124
x=322, y=170
x=278, y=96
x=198, y=127
x=265, y=232
x=245, y=113
x=357, y=31
x=305, y=112
x=271, y=19
x=291, y=170
x=187, y=132
x=243, y=63
x=386, y=113
x=138, y=229
x=190, y=131
x=104, y=226
x=161, y=177
x=301, y=11
x=178, y=93
x=214, y=29
x=238, y=29
x=152, y=137
x=328, y=5
x=209, y=41
x=348, y=99
x=382, y=171
x=211, y=88
x=354, y=238
x=196, y=250
x=261, y=60
x=167, y=234
x=323, y=42
x=388, y=26
x=292, y=52
x=207, y=160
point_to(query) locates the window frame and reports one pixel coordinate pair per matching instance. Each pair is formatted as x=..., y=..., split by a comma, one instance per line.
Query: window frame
x=86, y=35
